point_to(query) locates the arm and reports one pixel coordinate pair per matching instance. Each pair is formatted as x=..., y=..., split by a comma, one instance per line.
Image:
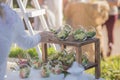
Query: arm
x=113, y=2
x=41, y=2
x=26, y=41
x=21, y=37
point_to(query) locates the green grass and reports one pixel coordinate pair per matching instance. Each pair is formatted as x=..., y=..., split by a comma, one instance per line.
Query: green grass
x=16, y=51
x=110, y=69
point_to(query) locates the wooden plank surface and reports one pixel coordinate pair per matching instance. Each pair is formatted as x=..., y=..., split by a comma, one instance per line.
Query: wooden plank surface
x=69, y=41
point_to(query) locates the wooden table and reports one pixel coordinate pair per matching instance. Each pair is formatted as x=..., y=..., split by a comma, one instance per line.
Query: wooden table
x=77, y=45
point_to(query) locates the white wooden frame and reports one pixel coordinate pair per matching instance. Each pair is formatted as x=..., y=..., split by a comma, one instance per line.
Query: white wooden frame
x=26, y=13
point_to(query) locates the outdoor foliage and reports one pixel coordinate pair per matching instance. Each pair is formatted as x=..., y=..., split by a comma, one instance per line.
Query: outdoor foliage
x=15, y=51
x=16, y=5
x=110, y=68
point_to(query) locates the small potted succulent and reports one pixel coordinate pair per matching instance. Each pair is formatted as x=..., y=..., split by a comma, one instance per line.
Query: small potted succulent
x=36, y=63
x=45, y=72
x=85, y=60
x=57, y=69
x=91, y=32
x=63, y=33
x=24, y=67
x=67, y=28
x=24, y=71
x=80, y=34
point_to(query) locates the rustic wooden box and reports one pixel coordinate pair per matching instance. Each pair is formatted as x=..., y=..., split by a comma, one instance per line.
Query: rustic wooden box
x=77, y=45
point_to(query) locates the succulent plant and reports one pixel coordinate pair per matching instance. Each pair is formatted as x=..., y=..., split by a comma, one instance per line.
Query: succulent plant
x=91, y=32
x=64, y=57
x=24, y=71
x=67, y=28
x=79, y=34
x=36, y=63
x=58, y=69
x=62, y=35
x=63, y=32
x=84, y=60
x=44, y=72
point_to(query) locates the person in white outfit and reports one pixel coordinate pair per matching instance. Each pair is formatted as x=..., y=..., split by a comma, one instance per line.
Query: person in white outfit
x=56, y=6
x=49, y=17
x=12, y=30
x=54, y=13
x=110, y=23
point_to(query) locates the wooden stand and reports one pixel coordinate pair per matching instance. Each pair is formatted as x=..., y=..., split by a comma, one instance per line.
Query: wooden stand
x=78, y=45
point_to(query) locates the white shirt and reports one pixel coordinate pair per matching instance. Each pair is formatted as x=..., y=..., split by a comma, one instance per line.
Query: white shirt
x=56, y=7
x=12, y=31
x=113, y=10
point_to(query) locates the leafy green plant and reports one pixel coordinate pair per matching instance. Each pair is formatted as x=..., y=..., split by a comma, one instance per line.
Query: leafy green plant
x=32, y=52
x=15, y=51
x=51, y=51
x=110, y=68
